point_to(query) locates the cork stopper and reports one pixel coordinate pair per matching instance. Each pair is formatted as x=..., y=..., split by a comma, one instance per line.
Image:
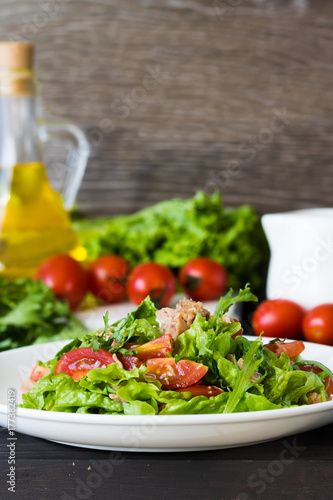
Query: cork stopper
x=16, y=68
x=16, y=55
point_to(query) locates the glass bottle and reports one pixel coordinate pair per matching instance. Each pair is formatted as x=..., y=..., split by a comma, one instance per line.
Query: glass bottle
x=34, y=222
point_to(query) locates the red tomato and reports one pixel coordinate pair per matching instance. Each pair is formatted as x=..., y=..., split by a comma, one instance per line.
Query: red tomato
x=310, y=368
x=157, y=348
x=329, y=386
x=175, y=376
x=65, y=277
x=291, y=349
x=318, y=324
x=79, y=362
x=107, y=278
x=278, y=318
x=151, y=279
x=130, y=362
x=237, y=334
x=39, y=372
x=203, y=279
x=202, y=390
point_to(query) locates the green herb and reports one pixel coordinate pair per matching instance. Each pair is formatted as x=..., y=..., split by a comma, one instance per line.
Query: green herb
x=242, y=382
x=106, y=322
x=175, y=231
x=30, y=313
x=228, y=300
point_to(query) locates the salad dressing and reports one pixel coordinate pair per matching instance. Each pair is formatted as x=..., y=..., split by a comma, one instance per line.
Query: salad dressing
x=33, y=221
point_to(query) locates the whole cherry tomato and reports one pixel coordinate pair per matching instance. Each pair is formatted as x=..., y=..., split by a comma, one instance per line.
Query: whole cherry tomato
x=278, y=318
x=318, y=324
x=151, y=279
x=107, y=278
x=66, y=277
x=203, y=279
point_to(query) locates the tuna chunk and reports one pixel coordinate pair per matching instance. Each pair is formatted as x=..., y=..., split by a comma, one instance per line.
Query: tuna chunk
x=228, y=319
x=313, y=398
x=177, y=321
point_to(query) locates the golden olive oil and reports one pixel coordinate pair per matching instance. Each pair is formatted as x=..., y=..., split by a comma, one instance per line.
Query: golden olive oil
x=33, y=222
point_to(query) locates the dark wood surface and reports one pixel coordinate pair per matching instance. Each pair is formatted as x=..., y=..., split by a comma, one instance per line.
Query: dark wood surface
x=51, y=471
x=229, y=66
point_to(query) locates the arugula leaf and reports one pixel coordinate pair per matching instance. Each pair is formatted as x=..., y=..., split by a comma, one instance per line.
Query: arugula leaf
x=106, y=322
x=251, y=361
x=228, y=300
x=140, y=325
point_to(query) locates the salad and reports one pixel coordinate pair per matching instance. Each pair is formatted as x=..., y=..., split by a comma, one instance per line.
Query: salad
x=176, y=361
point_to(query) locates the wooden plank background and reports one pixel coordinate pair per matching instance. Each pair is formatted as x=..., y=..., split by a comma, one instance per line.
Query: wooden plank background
x=226, y=70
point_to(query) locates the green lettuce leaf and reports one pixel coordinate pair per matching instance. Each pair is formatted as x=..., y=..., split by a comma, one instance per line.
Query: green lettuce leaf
x=218, y=404
x=175, y=231
x=291, y=387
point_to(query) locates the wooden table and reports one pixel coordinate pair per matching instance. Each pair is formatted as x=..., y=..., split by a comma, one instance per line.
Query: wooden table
x=47, y=471
x=231, y=67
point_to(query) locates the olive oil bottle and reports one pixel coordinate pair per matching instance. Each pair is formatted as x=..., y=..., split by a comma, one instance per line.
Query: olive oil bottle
x=34, y=223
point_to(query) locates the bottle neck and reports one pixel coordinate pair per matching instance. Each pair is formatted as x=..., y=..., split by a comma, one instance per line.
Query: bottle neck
x=19, y=141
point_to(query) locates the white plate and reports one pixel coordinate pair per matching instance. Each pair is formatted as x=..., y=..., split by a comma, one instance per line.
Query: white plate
x=154, y=433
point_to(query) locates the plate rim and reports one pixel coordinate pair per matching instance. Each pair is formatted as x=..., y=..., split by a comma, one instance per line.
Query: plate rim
x=161, y=420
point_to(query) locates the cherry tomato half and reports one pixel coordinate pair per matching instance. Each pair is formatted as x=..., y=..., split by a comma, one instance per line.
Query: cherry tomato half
x=157, y=348
x=151, y=279
x=278, y=318
x=107, y=278
x=202, y=390
x=79, y=362
x=65, y=277
x=318, y=324
x=175, y=376
x=203, y=279
x=39, y=372
x=291, y=349
x=130, y=362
